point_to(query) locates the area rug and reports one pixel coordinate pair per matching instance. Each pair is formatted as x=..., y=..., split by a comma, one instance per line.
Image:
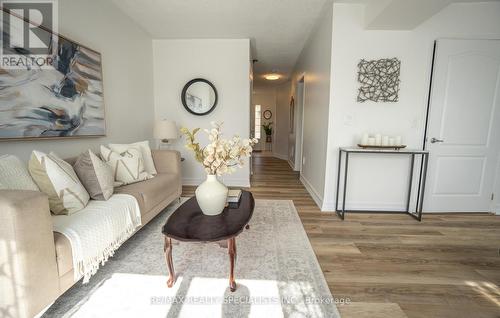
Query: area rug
x=276, y=272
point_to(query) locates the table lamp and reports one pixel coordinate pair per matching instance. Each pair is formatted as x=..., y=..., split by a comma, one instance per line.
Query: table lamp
x=165, y=131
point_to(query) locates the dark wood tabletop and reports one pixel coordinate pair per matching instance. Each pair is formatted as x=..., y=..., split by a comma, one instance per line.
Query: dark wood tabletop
x=188, y=223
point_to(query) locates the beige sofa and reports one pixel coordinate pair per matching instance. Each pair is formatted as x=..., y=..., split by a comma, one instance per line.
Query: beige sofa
x=36, y=264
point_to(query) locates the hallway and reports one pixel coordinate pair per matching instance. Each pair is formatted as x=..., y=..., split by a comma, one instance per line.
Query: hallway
x=274, y=179
x=391, y=265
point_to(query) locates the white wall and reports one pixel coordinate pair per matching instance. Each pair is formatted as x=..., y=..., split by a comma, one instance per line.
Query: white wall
x=379, y=183
x=225, y=63
x=266, y=98
x=282, y=121
x=314, y=62
x=127, y=70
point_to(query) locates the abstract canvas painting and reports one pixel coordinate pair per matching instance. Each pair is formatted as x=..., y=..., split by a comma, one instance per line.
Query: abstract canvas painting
x=379, y=80
x=61, y=99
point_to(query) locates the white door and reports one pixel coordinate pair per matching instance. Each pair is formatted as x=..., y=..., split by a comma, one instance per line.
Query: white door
x=463, y=134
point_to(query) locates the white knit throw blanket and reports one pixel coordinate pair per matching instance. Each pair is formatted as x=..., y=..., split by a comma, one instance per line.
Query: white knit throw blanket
x=98, y=230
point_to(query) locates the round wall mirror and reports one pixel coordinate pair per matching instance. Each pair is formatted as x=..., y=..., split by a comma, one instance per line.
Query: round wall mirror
x=199, y=96
x=267, y=114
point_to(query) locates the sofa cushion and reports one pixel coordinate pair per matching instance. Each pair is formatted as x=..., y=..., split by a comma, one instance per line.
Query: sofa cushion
x=96, y=175
x=149, y=164
x=57, y=178
x=14, y=174
x=128, y=167
x=151, y=192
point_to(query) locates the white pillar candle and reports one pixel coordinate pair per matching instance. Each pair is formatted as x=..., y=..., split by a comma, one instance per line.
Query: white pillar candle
x=364, y=139
x=385, y=141
x=371, y=141
x=398, y=140
x=378, y=139
x=391, y=141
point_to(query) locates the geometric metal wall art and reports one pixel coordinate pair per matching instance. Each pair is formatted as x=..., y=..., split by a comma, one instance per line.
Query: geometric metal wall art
x=379, y=80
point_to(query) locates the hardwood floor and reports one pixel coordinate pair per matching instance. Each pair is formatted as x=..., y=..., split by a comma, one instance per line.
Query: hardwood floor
x=391, y=265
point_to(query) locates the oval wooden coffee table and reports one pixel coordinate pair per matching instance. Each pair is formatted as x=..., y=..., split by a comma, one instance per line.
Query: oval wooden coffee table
x=189, y=224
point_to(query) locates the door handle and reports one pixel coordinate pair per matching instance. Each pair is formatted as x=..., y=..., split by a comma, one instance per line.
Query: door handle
x=434, y=140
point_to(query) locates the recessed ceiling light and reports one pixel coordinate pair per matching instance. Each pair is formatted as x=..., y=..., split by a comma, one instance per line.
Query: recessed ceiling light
x=272, y=77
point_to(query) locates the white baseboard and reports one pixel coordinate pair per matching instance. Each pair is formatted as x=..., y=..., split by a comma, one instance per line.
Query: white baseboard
x=243, y=183
x=369, y=206
x=384, y=206
x=230, y=182
x=192, y=181
x=328, y=207
x=290, y=163
x=318, y=199
x=280, y=156
x=456, y=212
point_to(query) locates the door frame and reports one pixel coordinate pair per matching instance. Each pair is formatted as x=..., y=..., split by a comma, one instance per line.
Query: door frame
x=429, y=96
x=299, y=135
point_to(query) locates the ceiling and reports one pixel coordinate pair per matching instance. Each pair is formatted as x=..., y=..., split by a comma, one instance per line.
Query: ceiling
x=404, y=14
x=277, y=29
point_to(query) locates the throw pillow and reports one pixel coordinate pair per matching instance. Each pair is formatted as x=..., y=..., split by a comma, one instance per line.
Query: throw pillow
x=95, y=175
x=15, y=175
x=149, y=164
x=56, y=178
x=128, y=167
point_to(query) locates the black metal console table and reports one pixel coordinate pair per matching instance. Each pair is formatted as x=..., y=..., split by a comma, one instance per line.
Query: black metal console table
x=421, y=180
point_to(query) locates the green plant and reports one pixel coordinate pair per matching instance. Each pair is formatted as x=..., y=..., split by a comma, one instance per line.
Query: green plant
x=268, y=128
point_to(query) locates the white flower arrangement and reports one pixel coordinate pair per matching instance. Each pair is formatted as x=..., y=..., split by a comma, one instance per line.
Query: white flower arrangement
x=220, y=156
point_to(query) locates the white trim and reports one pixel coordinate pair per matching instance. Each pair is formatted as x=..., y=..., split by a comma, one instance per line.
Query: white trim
x=299, y=163
x=455, y=212
x=495, y=204
x=387, y=206
x=233, y=182
x=496, y=210
x=314, y=194
x=230, y=182
x=192, y=181
x=280, y=156
x=328, y=207
x=290, y=163
x=382, y=206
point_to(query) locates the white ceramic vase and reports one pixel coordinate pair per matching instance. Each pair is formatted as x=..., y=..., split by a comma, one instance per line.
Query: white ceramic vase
x=211, y=196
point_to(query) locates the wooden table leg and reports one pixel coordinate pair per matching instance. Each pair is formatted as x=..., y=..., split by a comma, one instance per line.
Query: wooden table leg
x=167, y=249
x=232, y=258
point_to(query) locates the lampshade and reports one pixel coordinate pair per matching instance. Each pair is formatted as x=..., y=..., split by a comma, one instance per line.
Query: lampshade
x=165, y=130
